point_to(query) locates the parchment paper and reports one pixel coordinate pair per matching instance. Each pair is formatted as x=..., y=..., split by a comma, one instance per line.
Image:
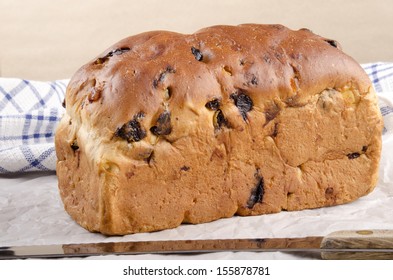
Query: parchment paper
x=31, y=213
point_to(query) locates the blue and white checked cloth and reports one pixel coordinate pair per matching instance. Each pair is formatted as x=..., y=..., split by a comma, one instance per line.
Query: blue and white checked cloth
x=30, y=110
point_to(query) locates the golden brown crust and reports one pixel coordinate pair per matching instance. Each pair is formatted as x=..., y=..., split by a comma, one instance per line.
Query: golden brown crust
x=165, y=128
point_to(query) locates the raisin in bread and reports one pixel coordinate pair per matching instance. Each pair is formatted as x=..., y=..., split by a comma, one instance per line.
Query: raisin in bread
x=165, y=128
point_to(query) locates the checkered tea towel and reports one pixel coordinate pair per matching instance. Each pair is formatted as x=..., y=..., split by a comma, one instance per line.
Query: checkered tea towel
x=30, y=110
x=381, y=75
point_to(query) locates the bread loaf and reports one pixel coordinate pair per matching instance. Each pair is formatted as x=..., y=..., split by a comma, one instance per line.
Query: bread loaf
x=164, y=128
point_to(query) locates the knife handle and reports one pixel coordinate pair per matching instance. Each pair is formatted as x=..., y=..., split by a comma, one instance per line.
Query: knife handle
x=358, y=245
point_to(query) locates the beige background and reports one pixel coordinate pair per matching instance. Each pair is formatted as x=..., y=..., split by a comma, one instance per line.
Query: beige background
x=45, y=40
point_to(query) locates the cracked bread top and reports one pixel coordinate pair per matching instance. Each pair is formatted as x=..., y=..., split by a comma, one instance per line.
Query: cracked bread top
x=140, y=86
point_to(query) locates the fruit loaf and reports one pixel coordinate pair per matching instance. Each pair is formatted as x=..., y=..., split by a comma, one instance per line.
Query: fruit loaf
x=165, y=128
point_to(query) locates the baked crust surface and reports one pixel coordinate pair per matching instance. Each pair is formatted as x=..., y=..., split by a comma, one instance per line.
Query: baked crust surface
x=165, y=128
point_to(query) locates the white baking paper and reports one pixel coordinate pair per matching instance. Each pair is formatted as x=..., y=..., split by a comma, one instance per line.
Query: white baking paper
x=31, y=213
